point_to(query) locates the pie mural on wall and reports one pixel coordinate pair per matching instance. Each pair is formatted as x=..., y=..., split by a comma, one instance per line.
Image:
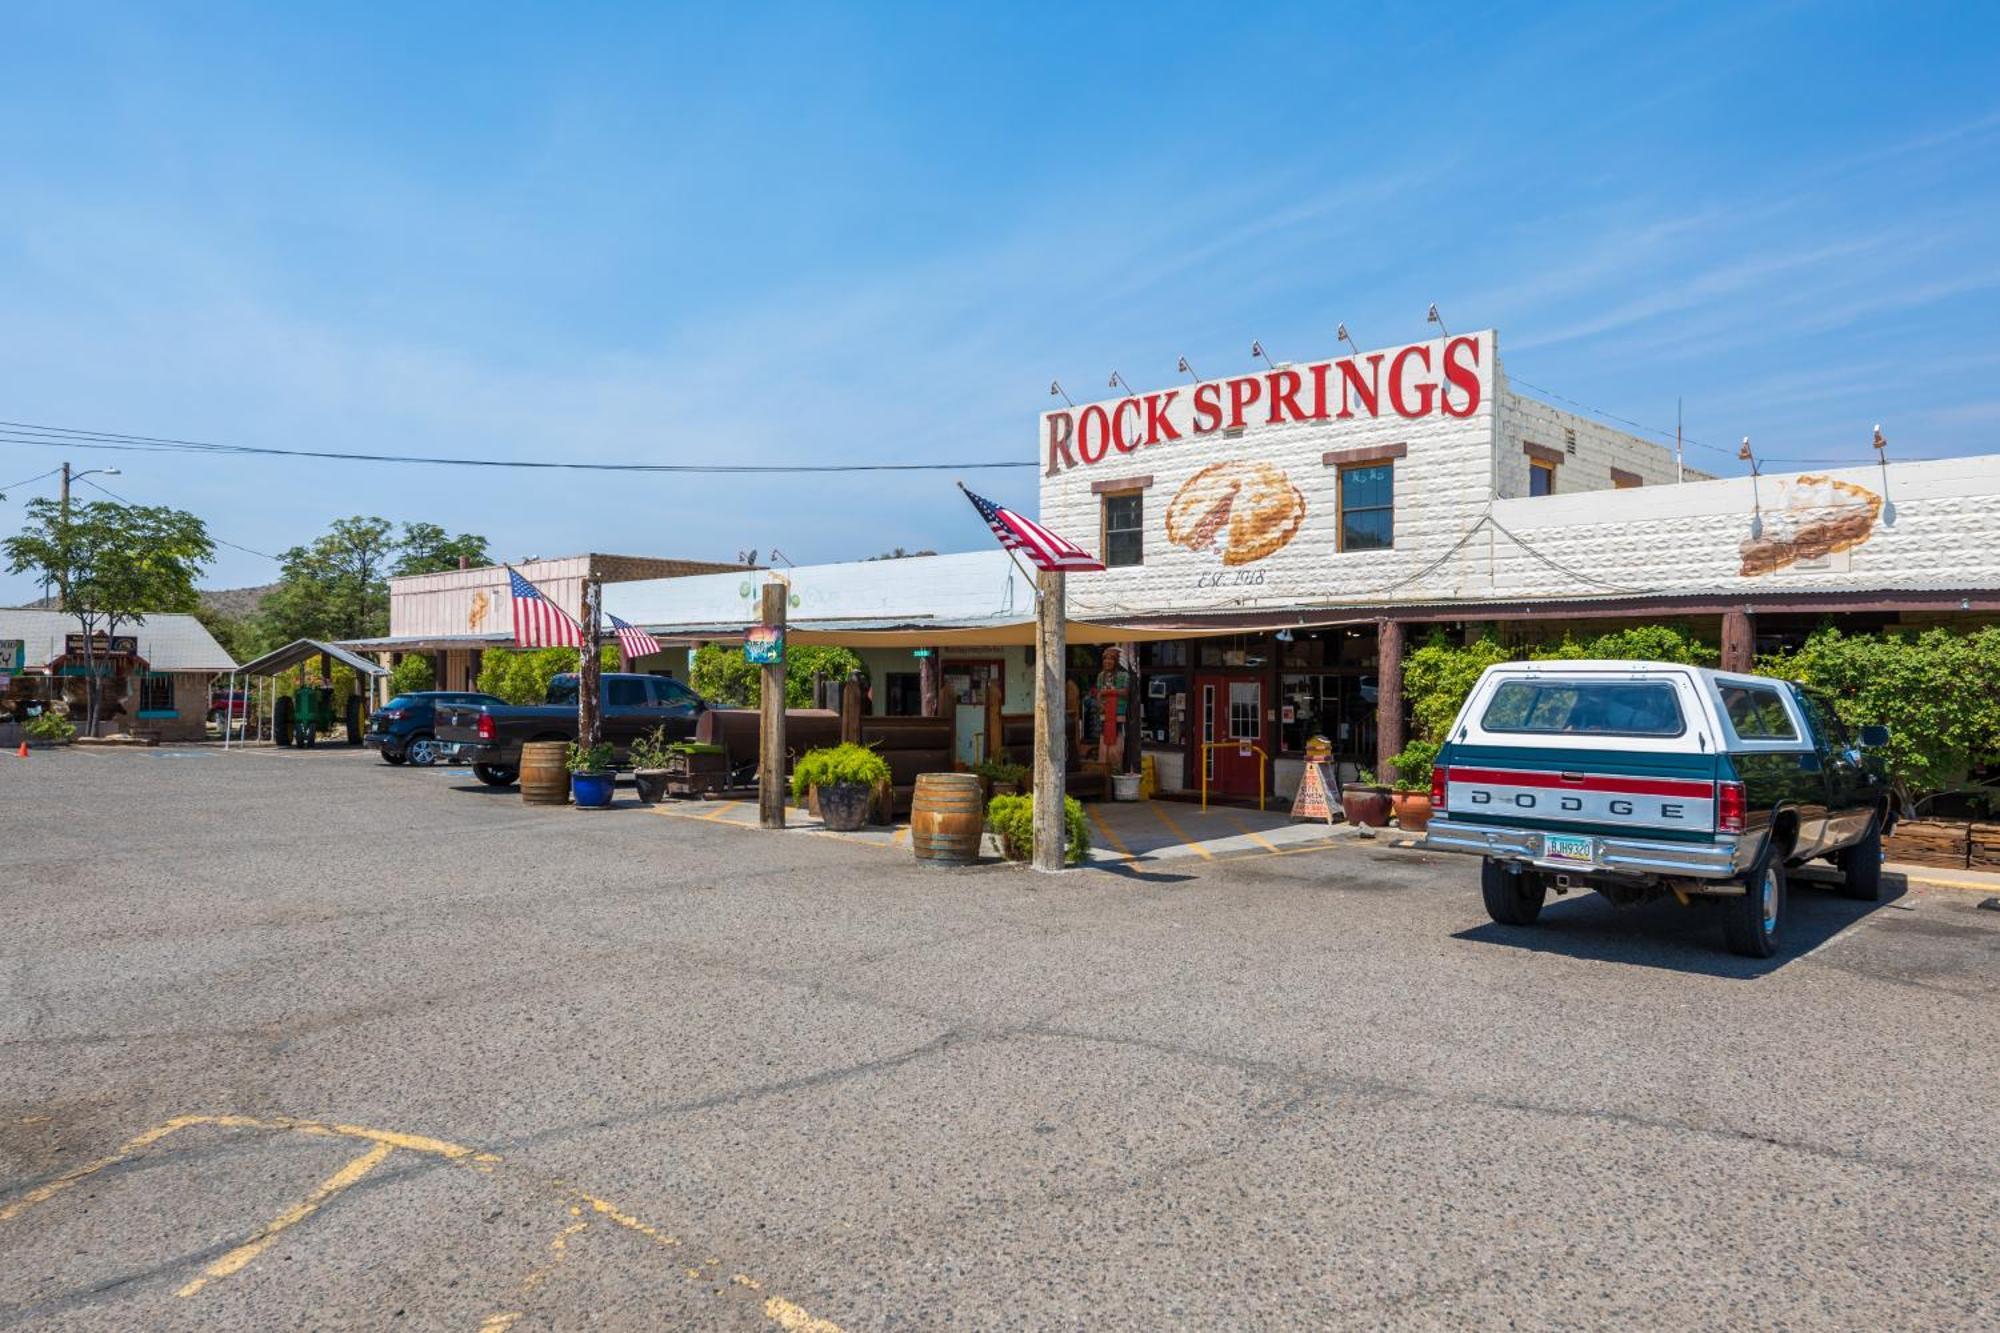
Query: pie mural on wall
x=1815, y=516
x=1242, y=511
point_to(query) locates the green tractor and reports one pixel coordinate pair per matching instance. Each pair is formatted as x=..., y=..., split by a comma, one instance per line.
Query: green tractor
x=300, y=717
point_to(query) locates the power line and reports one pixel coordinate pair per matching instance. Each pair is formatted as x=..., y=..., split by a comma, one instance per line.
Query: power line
x=24, y=432
x=212, y=537
x=37, y=477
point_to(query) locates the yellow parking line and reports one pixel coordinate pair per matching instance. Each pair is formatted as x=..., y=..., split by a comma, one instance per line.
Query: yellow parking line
x=722, y=814
x=1116, y=842
x=1181, y=833
x=298, y=1212
x=1251, y=833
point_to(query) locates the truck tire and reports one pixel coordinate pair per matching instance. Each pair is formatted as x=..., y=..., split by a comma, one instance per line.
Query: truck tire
x=495, y=775
x=281, y=721
x=1751, y=923
x=1861, y=867
x=1513, y=898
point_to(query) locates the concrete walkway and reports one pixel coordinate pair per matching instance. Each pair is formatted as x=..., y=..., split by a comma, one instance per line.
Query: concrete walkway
x=1121, y=832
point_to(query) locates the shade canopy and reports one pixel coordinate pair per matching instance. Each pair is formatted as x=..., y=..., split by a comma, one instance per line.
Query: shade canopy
x=1011, y=631
x=303, y=650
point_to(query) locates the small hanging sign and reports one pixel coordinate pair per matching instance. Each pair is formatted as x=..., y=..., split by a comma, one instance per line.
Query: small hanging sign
x=1312, y=801
x=764, y=645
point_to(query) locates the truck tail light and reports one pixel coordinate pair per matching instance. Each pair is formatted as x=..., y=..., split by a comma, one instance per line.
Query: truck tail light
x=1438, y=789
x=486, y=732
x=1729, y=807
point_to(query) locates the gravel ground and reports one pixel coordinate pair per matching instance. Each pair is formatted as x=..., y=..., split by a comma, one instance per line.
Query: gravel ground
x=300, y=1041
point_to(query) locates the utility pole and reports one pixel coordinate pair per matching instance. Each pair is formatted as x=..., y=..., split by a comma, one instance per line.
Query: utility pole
x=65, y=491
x=1051, y=720
x=589, y=723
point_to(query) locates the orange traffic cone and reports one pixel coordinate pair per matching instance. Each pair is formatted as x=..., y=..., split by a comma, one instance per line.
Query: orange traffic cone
x=22, y=753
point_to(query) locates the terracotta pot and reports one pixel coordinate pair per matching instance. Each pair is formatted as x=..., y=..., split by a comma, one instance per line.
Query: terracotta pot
x=1367, y=806
x=1413, y=810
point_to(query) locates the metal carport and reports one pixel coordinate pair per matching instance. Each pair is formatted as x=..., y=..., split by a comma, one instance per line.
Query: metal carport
x=294, y=654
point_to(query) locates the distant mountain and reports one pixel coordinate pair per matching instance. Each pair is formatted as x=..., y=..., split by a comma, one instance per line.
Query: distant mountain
x=236, y=603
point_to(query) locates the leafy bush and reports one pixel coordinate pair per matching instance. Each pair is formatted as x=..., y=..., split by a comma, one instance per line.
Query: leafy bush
x=1002, y=770
x=50, y=726
x=722, y=676
x=1012, y=820
x=596, y=758
x=653, y=749
x=522, y=675
x=412, y=674
x=831, y=765
x=1938, y=692
x=1413, y=765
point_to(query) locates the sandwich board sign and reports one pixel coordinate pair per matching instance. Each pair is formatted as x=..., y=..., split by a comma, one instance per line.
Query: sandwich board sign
x=1312, y=801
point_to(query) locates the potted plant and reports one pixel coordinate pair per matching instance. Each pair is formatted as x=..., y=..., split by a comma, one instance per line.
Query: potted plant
x=1001, y=777
x=1365, y=801
x=49, y=728
x=591, y=774
x=1011, y=819
x=1412, y=798
x=843, y=778
x=652, y=764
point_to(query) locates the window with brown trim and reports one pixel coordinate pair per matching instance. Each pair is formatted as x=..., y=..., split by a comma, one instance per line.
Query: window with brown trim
x=1541, y=478
x=1368, y=507
x=1621, y=480
x=1124, y=528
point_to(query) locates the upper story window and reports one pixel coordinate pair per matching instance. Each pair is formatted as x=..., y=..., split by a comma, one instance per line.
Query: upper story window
x=1124, y=528
x=1542, y=464
x=1621, y=480
x=1368, y=507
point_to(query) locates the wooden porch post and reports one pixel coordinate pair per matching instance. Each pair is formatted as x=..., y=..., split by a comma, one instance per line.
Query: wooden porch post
x=589, y=718
x=930, y=678
x=1739, y=640
x=771, y=721
x=850, y=709
x=1388, y=697
x=1051, y=717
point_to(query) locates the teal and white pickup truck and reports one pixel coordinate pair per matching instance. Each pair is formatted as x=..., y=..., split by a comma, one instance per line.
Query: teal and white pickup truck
x=1639, y=779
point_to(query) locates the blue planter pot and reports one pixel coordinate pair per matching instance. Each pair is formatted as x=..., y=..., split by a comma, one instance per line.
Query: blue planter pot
x=591, y=791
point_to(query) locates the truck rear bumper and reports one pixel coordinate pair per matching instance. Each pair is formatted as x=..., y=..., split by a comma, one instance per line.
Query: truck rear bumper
x=1716, y=859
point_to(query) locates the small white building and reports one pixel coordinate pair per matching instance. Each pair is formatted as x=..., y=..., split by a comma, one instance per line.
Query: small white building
x=157, y=674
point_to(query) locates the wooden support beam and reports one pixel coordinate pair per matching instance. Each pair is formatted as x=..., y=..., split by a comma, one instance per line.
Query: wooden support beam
x=1739, y=640
x=1050, y=717
x=994, y=738
x=850, y=709
x=930, y=677
x=1388, y=697
x=589, y=718
x=771, y=721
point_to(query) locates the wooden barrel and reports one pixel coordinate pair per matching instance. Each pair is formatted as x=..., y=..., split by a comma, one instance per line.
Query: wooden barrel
x=947, y=818
x=544, y=779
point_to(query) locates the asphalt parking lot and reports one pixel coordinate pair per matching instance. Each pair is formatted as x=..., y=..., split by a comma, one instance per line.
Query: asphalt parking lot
x=300, y=1041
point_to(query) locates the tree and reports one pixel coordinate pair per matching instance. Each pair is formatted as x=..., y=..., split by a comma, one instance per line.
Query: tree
x=110, y=565
x=722, y=675
x=522, y=675
x=427, y=550
x=412, y=675
x=336, y=588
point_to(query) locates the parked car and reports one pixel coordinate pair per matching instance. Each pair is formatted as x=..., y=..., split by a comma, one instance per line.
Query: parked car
x=489, y=736
x=405, y=728
x=1638, y=779
x=232, y=704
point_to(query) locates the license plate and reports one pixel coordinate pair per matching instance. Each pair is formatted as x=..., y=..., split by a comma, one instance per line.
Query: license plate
x=1568, y=847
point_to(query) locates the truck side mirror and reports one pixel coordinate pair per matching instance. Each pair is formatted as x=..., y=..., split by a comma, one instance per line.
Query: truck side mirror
x=1874, y=737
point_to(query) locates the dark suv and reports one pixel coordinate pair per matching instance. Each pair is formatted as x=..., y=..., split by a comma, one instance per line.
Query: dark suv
x=404, y=729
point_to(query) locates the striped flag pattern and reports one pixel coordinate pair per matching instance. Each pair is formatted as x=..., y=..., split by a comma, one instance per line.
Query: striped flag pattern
x=1042, y=547
x=633, y=641
x=539, y=622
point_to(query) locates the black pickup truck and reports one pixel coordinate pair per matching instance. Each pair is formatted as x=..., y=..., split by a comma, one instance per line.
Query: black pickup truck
x=489, y=736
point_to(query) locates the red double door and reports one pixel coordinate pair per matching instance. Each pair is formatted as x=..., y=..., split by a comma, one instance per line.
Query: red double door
x=1229, y=709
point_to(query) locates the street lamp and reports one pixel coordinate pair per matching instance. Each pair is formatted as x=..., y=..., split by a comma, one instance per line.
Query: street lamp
x=68, y=477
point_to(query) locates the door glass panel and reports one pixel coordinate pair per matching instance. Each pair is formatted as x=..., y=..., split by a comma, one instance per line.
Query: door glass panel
x=1208, y=727
x=626, y=694
x=1246, y=708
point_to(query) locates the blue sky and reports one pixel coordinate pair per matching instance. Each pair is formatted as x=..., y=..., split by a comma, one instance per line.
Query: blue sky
x=875, y=233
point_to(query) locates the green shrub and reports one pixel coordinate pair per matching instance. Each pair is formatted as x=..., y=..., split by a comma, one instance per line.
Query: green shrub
x=1413, y=765
x=522, y=675
x=723, y=677
x=589, y=758
x=50, y=726
x=1012, y=820
x=653, y=749
x=831, y=765
x=1002, y=770
x=412, y=674
x=1938, y=692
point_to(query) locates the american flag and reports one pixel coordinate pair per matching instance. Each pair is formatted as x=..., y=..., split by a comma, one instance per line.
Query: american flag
x=1031, y=539
x=539, y=622
x=635, y=642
